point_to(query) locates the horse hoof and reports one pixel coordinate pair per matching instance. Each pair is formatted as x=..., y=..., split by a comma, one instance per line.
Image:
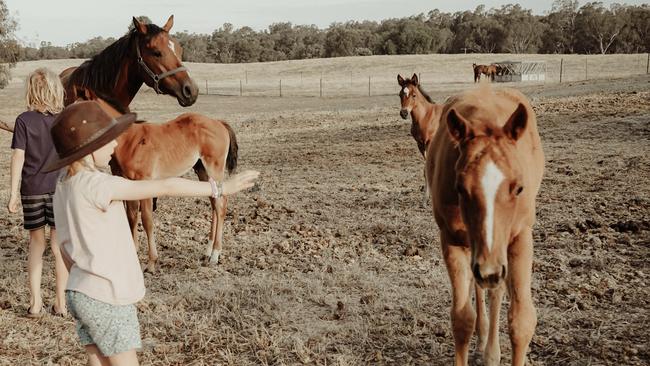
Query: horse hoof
x=150, y=268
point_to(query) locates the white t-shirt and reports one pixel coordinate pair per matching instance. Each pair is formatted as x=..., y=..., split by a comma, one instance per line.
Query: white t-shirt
x=95, y=233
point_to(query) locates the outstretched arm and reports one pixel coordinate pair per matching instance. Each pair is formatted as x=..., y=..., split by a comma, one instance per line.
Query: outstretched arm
x=179, y=187
x=7, y=126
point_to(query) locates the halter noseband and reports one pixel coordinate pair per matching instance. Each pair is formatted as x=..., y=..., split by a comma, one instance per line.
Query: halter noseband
x=155, y=78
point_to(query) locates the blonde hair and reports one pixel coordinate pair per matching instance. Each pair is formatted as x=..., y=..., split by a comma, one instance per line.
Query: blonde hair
x=85, y=163
x=44, y=92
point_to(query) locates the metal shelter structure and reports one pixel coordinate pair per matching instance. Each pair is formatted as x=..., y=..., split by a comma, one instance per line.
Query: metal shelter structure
x=520, y=71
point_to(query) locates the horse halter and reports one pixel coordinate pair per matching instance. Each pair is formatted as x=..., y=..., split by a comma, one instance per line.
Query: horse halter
x=155, y=78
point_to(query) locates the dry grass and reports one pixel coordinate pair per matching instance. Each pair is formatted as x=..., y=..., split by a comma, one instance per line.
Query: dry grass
x=335, y=259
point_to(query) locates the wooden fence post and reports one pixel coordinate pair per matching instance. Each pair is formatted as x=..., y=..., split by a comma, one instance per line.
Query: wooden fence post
x=206, y=88
x=280, y=88
x=561, y=64
x=586, y=67
x=647, y=65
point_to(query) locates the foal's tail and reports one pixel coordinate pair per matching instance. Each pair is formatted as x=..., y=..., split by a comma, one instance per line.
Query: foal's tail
x=231, y=160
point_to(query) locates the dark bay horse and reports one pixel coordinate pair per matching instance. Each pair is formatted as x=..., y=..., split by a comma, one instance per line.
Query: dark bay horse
x=146, y=54
x=488, y=70
x=484, y=171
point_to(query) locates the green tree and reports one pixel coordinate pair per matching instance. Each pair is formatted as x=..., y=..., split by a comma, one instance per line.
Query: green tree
x=9, y=48
x=522, y=30
x=597, y=28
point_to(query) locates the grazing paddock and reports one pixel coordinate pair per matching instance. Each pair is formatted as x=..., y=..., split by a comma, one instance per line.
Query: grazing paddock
x=335, y=258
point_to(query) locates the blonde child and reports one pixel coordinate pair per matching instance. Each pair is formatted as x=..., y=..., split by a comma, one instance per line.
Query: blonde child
x=32, y=147
x=105, y=277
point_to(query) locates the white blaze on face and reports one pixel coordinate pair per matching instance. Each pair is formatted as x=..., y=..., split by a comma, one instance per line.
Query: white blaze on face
x=492, y=178
x=171, y=46
x=406, y=91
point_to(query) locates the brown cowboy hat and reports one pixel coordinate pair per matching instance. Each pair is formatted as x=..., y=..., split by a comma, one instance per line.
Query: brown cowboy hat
x=80, y=129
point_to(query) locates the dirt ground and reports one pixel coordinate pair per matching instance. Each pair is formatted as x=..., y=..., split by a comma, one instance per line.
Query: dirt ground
x=334, y=258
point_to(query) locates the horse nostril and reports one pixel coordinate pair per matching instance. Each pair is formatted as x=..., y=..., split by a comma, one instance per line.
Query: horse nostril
x=187, y=90
x=477, y=272
x=503, y=272
x=403, y=113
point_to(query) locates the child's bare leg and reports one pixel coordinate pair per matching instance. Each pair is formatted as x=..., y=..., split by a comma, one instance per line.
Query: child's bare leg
x=128, y=358
x=35, y=268
x=60, y=274
x=95, y=357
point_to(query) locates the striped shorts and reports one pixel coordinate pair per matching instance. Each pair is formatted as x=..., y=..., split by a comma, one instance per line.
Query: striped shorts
x=38, y=211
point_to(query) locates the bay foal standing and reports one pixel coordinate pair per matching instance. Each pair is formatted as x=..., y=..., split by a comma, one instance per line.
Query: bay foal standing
x=425, y=114
x=484, y=171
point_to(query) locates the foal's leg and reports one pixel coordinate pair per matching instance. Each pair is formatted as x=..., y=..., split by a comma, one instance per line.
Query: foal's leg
x=132, y=210
x=147, y=223
x=492, y=355
x=522, y=317
x=218, y=213
x=462, y=313
x=481, y=319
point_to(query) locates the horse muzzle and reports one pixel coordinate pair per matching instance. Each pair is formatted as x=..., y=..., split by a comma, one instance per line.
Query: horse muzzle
x=404, y=113
x=489, y=276
x=189, y=93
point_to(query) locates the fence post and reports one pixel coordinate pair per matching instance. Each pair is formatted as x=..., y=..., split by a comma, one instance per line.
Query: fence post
x=561, y=64
x=321, y=87
x=647, y=65
x=586, y=67
x=206, y=88
x=241, y=89
x=368, y=85
x=280, y=88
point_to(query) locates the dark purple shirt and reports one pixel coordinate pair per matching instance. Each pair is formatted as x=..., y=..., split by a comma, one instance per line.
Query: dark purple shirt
x=32, y=134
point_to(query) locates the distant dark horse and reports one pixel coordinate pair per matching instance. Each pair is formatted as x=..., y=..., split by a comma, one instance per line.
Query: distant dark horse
x=147, y=54
x=488, y=70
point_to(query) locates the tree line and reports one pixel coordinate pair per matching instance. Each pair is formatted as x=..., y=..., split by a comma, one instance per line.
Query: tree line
x=566, y=28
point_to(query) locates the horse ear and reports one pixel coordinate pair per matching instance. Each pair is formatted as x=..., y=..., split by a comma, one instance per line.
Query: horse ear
x=169, y=24
x=414, y=79
x=139, y=26
x=516, y=125
x=457, y=126
x=400, y=80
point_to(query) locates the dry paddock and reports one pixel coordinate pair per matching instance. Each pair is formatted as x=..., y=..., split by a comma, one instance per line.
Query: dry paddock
x=334, y=258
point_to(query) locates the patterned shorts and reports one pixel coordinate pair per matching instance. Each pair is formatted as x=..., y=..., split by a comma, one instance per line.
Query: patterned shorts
x=112, y=328
x=37, y=211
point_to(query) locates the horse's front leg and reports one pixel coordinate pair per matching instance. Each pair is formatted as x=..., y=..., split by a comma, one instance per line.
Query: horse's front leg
x=147, y=222
x=463, y=316
x=219, y=215
x=482, y=325
x=492, y=355
x=522, y=317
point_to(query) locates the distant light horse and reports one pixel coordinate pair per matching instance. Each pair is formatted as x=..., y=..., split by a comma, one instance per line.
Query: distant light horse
x=484, y=171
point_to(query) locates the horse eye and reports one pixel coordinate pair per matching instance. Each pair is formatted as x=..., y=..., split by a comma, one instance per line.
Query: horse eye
x=157, y=53
x=519, y=189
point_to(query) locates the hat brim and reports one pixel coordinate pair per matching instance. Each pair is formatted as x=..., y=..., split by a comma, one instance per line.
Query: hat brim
x=119, y=125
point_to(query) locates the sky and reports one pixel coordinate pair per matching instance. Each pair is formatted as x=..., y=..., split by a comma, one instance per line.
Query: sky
x=64, y=22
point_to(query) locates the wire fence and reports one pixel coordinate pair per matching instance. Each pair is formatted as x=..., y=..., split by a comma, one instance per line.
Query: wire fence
x=377, y=80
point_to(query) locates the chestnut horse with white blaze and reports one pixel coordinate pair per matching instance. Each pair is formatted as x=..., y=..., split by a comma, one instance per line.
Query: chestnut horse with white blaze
x=484, y=171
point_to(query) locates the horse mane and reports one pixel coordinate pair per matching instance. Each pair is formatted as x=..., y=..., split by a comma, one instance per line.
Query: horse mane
x=102, y=71
x=425, y=94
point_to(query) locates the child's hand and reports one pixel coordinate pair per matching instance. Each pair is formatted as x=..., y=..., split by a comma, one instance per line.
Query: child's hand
x=240, y=182
x=12, y=206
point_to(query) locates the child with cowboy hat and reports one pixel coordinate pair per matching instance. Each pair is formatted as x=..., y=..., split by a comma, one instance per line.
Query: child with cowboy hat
x=105, y=278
